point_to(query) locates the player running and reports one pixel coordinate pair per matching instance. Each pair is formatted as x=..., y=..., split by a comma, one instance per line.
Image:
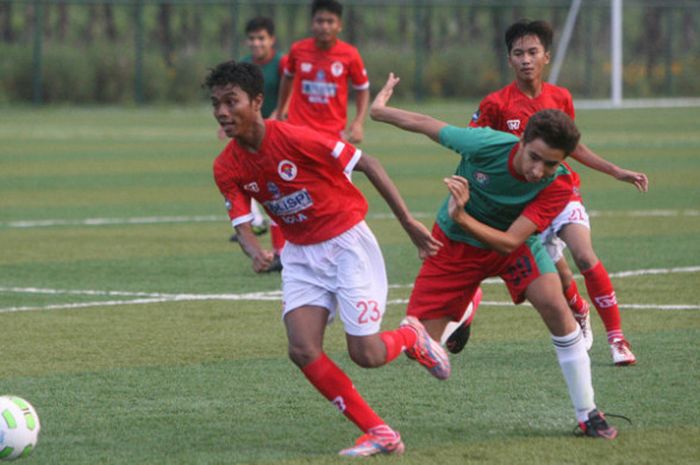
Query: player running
x=503, y=192
x=508, y=110
x=332, y=264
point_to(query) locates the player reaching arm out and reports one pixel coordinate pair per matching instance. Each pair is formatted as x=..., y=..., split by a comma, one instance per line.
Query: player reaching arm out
x=404, y=119
x=586, y=156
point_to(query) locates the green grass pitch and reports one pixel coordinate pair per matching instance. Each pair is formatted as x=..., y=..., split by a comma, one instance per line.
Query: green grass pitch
x=123, y=319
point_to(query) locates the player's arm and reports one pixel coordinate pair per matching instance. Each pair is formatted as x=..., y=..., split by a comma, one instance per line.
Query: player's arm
x=503, y=242
x=285, y=92
x=356, y=129
x=407, y=120
x=420, y=235
x=262, y=259
x=592, y=160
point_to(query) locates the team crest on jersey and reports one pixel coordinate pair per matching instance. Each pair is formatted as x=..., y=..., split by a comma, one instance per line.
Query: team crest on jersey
x=273, y=190
x=336, y=68
x=306, y=67
x=513, y=124
x=252, y=187
x=287, y=170
x=476, y=115
x=481, y=178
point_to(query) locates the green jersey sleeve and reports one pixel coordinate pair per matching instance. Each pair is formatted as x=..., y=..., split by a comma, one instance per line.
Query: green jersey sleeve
x=470, y=142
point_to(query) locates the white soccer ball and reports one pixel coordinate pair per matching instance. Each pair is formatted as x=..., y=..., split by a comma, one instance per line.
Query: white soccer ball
x=19, y=428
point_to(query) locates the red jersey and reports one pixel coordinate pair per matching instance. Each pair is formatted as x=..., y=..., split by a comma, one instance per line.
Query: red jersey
x=299, y=176
x=320, y=87
x=509, y=110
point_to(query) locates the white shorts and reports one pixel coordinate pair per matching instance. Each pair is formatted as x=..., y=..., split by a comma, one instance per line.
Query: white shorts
x=573, y=213
x=344, y=274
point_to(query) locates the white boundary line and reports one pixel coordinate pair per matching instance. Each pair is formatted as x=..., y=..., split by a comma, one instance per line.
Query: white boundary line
x=139, y=298
x=26, y=224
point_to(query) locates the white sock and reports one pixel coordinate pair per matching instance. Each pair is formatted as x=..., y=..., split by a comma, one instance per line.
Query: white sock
x=258, y=218
x=576, y=367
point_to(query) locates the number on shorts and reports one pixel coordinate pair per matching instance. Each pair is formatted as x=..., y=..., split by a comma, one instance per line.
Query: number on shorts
x=521, y=269
x=369, y=311
x=576, y=215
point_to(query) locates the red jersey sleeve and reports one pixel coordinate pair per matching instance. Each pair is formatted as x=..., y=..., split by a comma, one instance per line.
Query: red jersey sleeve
x=282, y=64
x=550, y=202
x=236, y=200
x=358, y=73
x=290, y=61
x=487, y=115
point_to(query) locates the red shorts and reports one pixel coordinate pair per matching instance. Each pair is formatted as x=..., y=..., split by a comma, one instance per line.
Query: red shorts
x=447, y=281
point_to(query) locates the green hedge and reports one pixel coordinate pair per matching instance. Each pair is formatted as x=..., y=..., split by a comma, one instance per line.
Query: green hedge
x=103, y=73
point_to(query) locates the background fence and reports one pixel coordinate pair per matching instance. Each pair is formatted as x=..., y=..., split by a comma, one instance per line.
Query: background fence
x=119, y=51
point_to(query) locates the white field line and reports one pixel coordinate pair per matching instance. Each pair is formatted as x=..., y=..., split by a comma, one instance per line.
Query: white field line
x=25, y=224
x=156, y=297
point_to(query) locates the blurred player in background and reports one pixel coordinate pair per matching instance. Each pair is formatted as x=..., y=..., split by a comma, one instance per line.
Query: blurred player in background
x=332, y=263
x=508, y=110
x=517, y=187
x=261, y=41
x=316, y=77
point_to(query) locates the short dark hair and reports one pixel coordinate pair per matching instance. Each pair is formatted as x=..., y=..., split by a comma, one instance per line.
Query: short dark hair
x=247, y=76
x=525, y=27
x=555, y=128
x=260, y=22
x=331, y=6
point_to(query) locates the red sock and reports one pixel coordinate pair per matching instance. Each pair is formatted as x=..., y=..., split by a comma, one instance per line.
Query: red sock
x=396, y=341
x=601, y=292
x=335, y=386
x=574, y=299
x=277, y=238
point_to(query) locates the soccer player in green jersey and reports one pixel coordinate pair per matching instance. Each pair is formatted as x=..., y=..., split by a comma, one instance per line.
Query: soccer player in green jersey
x=508, y=109
x=504, y=191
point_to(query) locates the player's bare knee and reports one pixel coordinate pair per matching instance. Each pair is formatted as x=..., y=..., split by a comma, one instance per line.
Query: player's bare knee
x=303, y=355
x=366, y=357
x=585, y=260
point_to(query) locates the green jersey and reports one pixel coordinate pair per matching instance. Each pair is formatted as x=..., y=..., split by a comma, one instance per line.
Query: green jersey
x=271, y=76
x=497, y=194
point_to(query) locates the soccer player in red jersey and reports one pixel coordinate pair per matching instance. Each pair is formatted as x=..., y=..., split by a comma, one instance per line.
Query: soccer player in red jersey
x=261, y=40
x=508, y=110
x=505, y=189
x=316, y=76
x=332, y=264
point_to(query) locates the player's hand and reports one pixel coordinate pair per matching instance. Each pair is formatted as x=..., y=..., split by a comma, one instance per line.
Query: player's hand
x=459, y=195
x=422, y=238
x=640, y=180
x=354, y=134
x=381, y=99
x=262, y=260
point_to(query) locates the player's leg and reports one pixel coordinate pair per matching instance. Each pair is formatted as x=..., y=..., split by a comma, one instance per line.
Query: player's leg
x=600, y=289
x=305, y=328
x=555, y=249
x=307, y=276
x=361, y=292
x=577, y=304
x=530, y=274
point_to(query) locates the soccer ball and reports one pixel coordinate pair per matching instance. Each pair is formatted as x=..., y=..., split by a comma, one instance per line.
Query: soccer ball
x=19, y=428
